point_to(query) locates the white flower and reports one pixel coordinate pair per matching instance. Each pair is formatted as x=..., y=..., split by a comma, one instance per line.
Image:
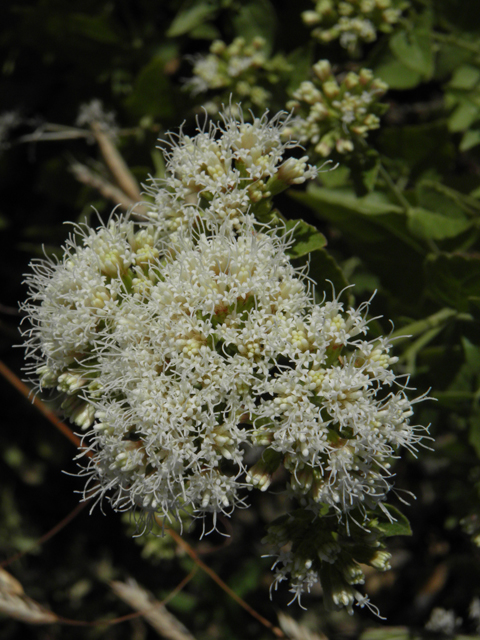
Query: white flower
x=226, y=169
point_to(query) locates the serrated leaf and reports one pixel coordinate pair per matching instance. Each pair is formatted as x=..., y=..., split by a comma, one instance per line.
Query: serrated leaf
x=190, y=17
x=435, y=226
x=307, y=238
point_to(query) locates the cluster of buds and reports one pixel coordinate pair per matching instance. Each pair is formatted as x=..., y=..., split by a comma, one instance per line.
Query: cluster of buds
x=332, y=115
x=311, y=550
x=353, y=21
x=238, y=72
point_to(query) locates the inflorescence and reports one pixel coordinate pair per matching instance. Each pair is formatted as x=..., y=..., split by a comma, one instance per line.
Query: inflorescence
x=353, y=22
x=180, y=342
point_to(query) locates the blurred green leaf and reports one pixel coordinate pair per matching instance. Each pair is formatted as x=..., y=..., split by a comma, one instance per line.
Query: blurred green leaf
x=399, y=526
x=256, y=18
x=414, y=50
x=395, y=73
x=452, y=278
x=437, y=226
x=190, y=16
x=152, y=92
x=388, y=633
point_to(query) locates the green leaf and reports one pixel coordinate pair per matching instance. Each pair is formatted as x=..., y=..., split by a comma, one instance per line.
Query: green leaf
x=436, y=226
x=192, y=15
x=452, y=278
x=470, y=139
x=388, y=633
x=256, y=18
x=400, y=525
x=95, y=28
x=414, y=50
x=463, y=116
x=327, y=275
x=307, y=238
x=152, y=92
x=465, y=77
x=396, y=74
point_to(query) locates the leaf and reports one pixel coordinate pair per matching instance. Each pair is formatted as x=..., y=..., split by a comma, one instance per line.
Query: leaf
x=307, y=238
x=377, y=231
x=256, y=18
x=152, y=91
x=414, y=50
x=453, y=278
x=463, y=116
x=167, y=625
x=400, y=526
x=422, y=147
x=388, y=633
x=14, y=602
x=190, y=17
x=325, y=272
x=94, y=28
x=465, y=77
x=426, y=224
x=396, y=74
x=470, y=139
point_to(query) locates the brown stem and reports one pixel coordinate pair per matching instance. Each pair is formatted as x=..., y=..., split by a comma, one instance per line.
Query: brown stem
x=188, y=549
x=117, y=165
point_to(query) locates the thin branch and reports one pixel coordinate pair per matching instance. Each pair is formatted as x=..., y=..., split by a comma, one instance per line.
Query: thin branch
x=48, y=413
x=117, y=165
x=188, y=549
x=46, y=536
x=84, y=175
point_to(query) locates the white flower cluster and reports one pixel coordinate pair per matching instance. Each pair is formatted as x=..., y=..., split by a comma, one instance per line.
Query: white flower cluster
x=332, y=115
x=353, y=21
x=180, y=342
x=226, y=172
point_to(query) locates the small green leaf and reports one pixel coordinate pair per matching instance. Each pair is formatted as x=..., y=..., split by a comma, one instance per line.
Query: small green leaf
x=414, y=50
x=452, y=278
x=464, y=116
x=325, y=272
x=400, y=526
x=470, y=139
x=465, y=77
x=307, y=238
x=256, y=18
x=396, y=74
x=436, y=226
x=388, y=633
x=152, y=91
x=190, y=17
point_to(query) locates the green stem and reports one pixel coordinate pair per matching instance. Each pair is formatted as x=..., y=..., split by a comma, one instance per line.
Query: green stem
x=432, y=322
x=452, y=39
x=393, y=187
